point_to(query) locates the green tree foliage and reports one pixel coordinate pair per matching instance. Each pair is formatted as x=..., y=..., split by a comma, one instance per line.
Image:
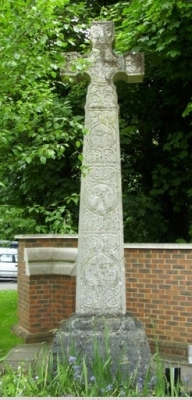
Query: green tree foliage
x=156, y=120
x=38, y=131
x=41, y=117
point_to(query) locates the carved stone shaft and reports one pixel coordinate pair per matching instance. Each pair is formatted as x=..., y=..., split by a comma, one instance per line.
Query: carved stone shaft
x=100, y=260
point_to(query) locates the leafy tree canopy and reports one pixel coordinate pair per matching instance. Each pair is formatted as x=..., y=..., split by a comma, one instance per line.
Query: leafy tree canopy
x=41, y=117
x=39, y=135
x=156, y=119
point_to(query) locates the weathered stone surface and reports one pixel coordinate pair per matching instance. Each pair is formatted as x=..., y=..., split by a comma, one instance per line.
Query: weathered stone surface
x=127, y=343
x=100, y=260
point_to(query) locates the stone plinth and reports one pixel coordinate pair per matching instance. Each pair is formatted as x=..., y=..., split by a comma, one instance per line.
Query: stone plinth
x=127, y=342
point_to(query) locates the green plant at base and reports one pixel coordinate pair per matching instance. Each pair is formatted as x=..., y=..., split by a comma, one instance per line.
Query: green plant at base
x=72, y=378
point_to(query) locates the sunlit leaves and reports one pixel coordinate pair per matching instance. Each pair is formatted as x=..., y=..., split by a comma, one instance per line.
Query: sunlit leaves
x=36, y=121
x=157, y=158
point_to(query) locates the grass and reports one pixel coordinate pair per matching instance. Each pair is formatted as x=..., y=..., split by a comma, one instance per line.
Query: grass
x=8, y=317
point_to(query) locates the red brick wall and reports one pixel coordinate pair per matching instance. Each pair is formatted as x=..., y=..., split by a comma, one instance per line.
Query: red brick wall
x=158, y=291
x=43, y=301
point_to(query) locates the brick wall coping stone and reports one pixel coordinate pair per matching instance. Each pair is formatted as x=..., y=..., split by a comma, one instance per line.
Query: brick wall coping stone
x=46, y=236
x=50, y=261
x=166, y=246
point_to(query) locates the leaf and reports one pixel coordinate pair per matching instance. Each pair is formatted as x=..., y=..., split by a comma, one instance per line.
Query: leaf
x=43, y=159
x=174, y=53
x=71, y=41
x=80, y=157
x=59, y=42
x=77, y=143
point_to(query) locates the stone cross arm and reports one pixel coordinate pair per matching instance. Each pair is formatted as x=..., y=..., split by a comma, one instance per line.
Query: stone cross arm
x=102, y=65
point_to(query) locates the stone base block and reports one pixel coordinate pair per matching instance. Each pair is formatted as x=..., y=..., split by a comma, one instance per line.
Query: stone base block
x=122, y=338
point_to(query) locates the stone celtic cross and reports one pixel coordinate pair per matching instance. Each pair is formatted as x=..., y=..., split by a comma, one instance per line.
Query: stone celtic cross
x=100, y=262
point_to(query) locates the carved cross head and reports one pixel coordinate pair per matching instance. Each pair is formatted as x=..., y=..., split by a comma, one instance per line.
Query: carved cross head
x=103, y=65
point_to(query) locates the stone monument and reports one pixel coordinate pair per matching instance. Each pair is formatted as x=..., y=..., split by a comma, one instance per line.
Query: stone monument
x=100, y=288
